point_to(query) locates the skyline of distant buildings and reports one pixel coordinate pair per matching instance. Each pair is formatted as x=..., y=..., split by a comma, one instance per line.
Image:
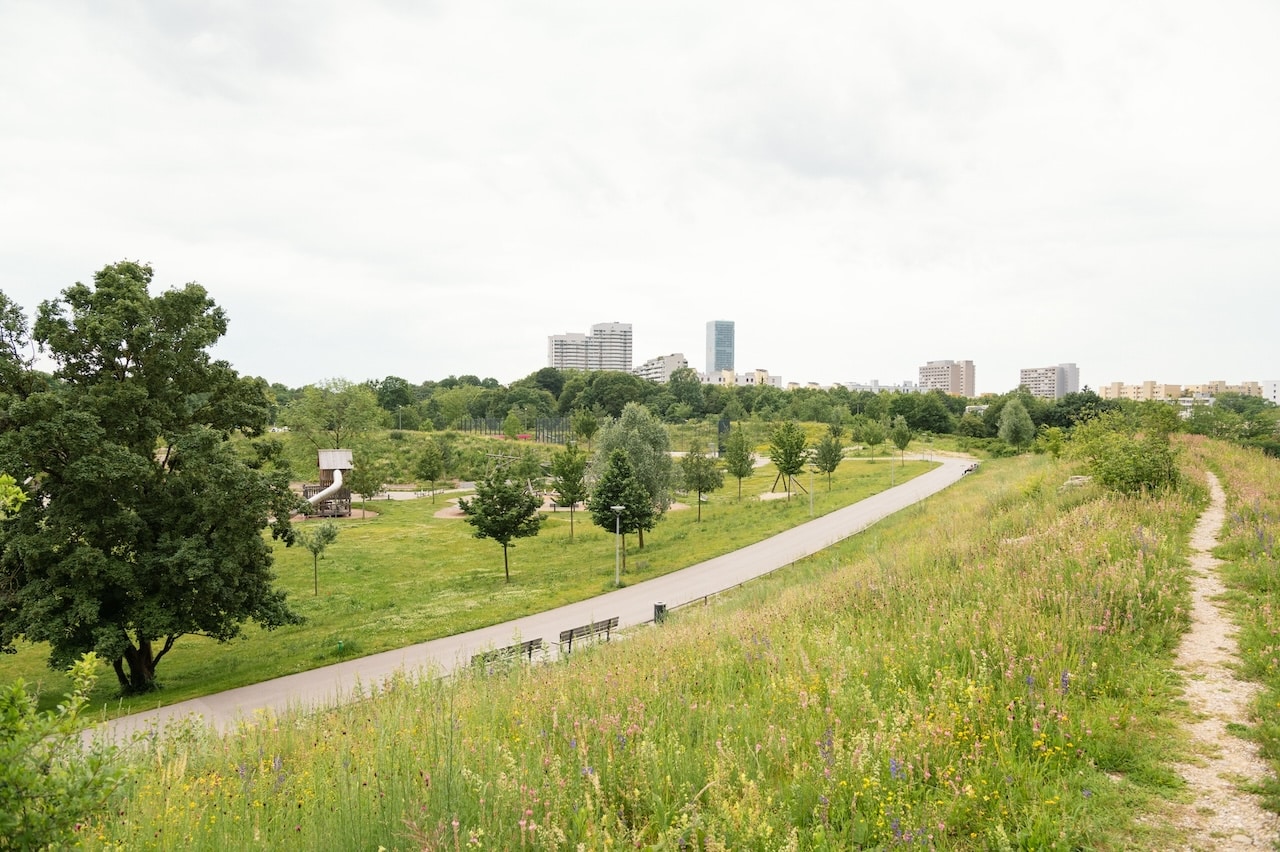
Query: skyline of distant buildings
x=609, y=347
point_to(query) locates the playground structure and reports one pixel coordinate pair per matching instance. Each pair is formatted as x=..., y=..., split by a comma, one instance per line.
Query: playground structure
x=331, y=498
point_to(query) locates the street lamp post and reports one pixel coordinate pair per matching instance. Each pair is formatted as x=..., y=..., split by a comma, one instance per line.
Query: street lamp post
x=617, y=544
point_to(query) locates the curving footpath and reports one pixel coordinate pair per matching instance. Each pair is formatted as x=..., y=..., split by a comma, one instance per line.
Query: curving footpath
x=632, y=605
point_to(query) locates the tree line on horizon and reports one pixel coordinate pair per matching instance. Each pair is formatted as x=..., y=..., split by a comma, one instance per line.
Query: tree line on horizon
x=550, y=392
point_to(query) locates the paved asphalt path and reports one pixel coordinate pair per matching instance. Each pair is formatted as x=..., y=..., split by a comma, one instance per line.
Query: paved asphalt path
x=632, y=605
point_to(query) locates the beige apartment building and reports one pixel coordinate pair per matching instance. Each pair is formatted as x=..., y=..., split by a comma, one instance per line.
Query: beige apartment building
x=1140, y=392
x=953, y=377
x=1217, y=388
x=1156, y=391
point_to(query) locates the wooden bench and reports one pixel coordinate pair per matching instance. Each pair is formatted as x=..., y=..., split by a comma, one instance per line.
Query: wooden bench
x=511, y=652
x=587, y=631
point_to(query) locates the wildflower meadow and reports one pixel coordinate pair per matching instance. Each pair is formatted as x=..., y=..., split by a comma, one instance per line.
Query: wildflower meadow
x=989, y=669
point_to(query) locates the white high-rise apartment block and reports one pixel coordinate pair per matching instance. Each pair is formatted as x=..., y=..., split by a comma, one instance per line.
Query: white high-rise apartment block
x=607, y=347
x=1271, y=390
x=660, y=369
x=1050, y=382
x=953, y=377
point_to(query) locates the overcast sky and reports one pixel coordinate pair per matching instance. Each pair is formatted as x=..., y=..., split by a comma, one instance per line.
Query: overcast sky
x=431, y=188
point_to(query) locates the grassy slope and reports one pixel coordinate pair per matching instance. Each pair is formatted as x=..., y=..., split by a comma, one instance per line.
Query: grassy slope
x=407, y=576
x=988, y=670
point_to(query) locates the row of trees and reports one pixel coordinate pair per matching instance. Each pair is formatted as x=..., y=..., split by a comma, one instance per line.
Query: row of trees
x=393, y=402
x=627, y=483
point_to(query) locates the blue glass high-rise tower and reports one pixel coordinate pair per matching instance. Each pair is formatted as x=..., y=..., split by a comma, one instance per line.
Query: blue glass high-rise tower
x=719, y=345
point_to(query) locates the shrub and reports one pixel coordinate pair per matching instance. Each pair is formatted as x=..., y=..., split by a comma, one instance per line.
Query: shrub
x=50, y=781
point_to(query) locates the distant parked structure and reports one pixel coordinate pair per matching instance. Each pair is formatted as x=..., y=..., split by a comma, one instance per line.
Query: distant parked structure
x=1050, y=382
x=660, y=369
x=953, y=377
x=719, y=346
x=607, y=347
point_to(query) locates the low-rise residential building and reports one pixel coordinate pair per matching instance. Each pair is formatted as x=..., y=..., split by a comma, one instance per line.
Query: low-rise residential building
x=750, y=378
x=1150, y=390
x=875, y=387
x=1146, y=391
x=1219, y=387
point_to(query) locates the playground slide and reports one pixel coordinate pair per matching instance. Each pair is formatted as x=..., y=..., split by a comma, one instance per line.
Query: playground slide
x=321, y=496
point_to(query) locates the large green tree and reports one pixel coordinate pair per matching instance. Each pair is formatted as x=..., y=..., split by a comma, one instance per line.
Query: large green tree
x=739, y=456
x=787, y=452
x=144, y=524
x=1015, y=426
x=644, y=439
x=503, y=509
x=569, y=479
x=333, y=413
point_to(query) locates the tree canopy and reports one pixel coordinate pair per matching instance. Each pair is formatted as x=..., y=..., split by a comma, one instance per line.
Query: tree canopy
x=144, y=524
x=333, y=413
x=644, y=439
x=1016, y=428
x=618, y=485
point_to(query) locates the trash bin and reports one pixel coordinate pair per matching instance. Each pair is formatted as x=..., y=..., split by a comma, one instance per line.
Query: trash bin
x=659, y=612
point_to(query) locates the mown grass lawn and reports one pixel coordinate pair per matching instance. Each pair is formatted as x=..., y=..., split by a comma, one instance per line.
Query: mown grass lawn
x=407, y=576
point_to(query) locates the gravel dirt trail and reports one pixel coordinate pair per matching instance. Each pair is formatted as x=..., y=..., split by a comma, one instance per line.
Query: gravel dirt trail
x=1220, y=815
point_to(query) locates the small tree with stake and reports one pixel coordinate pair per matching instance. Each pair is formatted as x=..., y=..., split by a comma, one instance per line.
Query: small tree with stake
x=316, y=540
x=502, y=510
x=701, y=475
x=739, y=458
x=787, y=451
x=430, y=466
x=569, y=479
x=900, y=433
x=828, y=455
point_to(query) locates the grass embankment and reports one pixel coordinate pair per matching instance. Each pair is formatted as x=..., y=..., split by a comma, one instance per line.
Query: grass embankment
x=407, y=576
x=990, y=669
x=1252, y=574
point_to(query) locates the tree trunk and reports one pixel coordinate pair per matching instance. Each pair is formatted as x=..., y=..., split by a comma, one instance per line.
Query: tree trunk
x=506, y=566
x=698, y=497
x=141, y=676
x=640, y=535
